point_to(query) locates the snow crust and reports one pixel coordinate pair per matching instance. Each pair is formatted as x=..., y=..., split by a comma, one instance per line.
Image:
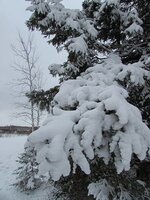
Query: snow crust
x=91, y=117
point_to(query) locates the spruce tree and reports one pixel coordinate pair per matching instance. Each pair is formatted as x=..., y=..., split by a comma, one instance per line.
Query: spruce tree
x=27, y=173
x=101, y=142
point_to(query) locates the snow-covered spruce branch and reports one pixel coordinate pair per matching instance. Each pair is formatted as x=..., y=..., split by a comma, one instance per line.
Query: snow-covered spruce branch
x=94, y=119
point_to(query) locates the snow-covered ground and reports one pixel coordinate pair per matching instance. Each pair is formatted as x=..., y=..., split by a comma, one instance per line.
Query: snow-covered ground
x=10, y=148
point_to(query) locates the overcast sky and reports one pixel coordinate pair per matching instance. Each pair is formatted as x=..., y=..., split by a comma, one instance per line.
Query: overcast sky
x=12, y=19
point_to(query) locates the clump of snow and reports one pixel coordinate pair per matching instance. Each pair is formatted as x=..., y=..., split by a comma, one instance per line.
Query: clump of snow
x=112, y=2
x=134, y=28
x=56, y=69
x=101, y=190
x=136, y=72
x=147, y=61
x=91, y=117
x=78, y=45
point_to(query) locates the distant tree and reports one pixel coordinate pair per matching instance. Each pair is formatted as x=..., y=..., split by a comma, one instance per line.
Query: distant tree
x=29, y=78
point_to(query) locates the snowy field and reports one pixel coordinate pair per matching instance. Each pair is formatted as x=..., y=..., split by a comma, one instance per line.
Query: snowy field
x=10, y=148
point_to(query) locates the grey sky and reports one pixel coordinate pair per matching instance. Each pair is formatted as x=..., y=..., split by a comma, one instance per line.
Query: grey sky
x=12, y=20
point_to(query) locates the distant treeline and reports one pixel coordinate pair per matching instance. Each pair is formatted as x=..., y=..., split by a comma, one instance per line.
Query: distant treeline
x=15, y=129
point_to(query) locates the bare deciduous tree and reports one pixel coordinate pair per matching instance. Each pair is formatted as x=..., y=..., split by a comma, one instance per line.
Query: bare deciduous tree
x=29, y=78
